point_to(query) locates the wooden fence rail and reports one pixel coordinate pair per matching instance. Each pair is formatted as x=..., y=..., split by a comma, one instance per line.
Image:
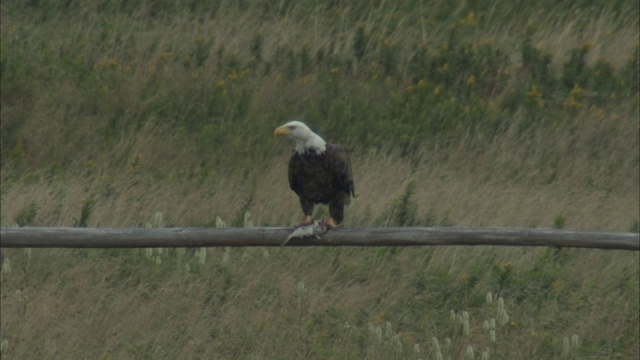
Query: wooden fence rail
x=34, y=237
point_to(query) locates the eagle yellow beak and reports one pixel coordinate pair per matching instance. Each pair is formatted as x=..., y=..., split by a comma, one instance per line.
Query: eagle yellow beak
x=282, y=130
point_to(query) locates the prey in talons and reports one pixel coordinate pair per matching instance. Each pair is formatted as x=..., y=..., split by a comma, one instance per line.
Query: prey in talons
x=315, y=228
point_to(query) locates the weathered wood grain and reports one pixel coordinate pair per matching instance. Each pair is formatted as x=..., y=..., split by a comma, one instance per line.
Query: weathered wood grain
x=60, y=237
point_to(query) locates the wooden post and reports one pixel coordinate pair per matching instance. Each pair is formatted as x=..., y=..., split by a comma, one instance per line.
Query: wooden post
x=34, y=237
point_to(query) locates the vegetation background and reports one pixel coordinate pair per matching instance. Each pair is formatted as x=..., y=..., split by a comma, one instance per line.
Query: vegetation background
x=458, y=113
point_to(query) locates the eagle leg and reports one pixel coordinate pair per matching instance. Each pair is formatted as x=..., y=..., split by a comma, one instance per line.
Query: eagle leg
x=307, y=209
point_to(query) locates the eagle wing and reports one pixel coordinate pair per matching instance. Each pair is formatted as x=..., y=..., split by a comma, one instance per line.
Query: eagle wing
x=340, y=164
x=293, y=178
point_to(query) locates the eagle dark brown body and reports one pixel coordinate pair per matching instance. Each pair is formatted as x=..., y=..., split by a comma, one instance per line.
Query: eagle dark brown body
x=322, y=179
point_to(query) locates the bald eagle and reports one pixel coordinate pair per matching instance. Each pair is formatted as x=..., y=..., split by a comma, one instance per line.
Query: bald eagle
x=319, y=172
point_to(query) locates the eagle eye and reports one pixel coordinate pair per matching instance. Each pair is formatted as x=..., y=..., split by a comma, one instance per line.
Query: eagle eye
x=292, y=127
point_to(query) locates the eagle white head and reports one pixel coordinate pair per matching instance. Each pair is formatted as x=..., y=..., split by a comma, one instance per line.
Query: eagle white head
x=303, y=138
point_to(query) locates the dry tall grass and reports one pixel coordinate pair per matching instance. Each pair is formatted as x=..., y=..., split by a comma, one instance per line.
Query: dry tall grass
x=466, y=196
x=323, y=303
x=318, y=303
x=116, y=112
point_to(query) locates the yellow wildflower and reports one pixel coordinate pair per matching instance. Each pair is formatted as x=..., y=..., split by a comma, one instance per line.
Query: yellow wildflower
x=536, y=96
x=135, y=161
x=421, y=84
x=437, y=90
x=587, y=45
x=470, y=20
x=305, y=79
x=572, y=103
x=576, y=91
x=534, y=93
x=108, y=62
x=164, y=55
x=471, y=80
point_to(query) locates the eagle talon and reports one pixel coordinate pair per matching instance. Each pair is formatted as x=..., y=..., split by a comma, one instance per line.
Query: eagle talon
x=331, y=223
x=307, y=221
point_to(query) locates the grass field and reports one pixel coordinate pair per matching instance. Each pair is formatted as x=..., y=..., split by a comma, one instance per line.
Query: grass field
x=127, y=114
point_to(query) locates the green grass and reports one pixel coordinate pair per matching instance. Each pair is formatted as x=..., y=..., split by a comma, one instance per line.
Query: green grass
x=118, y=114
x=365, y=77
